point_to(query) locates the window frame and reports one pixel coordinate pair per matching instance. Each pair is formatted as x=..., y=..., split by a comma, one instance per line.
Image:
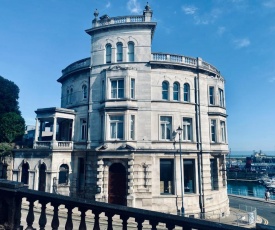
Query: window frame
x=83, y=126
x=187, y=129
x=119, y=52
x=186, y=92
x=166, y=189
x=108, y=53
x=176, y=92
x=131, y=51
x=116, y=124
x=213, y=131
x=211, y=95
x=84, y=91
x=165, y=125
x=64, y=171
x=132, y=88
x=192, y=170
x=116, y=89
x=221, y=98
x=165, y=92
x=223, y=131
x=132, y=126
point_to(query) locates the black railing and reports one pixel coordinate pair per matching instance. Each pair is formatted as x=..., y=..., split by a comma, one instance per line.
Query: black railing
x=12, y=193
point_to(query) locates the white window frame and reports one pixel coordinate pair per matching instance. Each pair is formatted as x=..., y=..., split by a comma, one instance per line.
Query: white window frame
x=133, y=86
x=187, y=129
x=223, y=131
x=108, y=54
x=119, y=52
x=176, y=92
x=83, y=125
x=211, y=95
x=221, y=97
x=166, y=91
x=213, y=131
x=115, y=92
x=131, y=51
x=132, y=126
x=165, y=128
x=186, y=94
x=116, y=121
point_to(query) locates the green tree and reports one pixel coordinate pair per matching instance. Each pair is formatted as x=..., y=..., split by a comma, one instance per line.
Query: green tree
x=9, y=94
x=12, y=124
x=12, y=127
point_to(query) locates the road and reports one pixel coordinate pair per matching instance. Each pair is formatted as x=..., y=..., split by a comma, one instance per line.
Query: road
x=264, y=209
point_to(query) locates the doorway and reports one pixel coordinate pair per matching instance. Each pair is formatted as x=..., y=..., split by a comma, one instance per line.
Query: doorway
x=117, y=184
x=42, y=178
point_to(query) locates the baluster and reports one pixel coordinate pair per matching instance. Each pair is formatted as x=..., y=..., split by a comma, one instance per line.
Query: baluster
x=153, y=224
x=139, y=222
x=17, y=212
x=82, y=225
x=124, y=222
x=170, y=226
x=30, y=216
x=96, y=224
x=43, y=219
x=69, y=222
x=110, y=221
x=55, y=220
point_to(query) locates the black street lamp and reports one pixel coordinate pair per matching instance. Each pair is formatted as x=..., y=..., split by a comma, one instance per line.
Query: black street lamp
x=179, y=131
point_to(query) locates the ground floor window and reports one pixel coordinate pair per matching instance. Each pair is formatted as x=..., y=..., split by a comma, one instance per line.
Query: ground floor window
x=63, y=174
x=214, y=174
x=166, y=176
x=189, y=176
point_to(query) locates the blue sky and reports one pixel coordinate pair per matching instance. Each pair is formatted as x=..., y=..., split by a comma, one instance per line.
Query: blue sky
x=39, y=38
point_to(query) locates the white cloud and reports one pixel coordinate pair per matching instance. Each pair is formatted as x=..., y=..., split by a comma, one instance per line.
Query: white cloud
x=269, y=3
x=189, y=9
x=134, y=6
x=108, y=5
x=241, y=43
x=271, y=80
x=221, y=30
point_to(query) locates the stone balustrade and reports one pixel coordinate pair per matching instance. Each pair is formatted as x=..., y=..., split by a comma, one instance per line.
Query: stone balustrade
x=184, y=60
x=12, y=193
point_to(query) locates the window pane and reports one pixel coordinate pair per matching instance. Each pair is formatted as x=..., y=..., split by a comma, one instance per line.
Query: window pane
x=165, y=90
x=108, y=54
x=214, y=174
x=132, y=131
x=166, y=176
x=189, y=176
x=119, y=52
x=131, y=51
x=213, y=130
x=211, y=95
x=176, y=91
x=165, y=127
x=132, y=88
x=113, y=89
x=186, y=92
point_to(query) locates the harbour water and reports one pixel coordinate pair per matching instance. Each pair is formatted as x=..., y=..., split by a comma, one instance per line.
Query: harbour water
x=247, y=188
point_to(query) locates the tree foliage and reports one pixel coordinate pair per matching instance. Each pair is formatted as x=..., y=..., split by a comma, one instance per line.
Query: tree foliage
x=12, y=127
x=9, y=94
x=12, y=124
x=5, y=149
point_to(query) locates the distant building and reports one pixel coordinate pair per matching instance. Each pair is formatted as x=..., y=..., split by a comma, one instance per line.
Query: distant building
x=114, y=138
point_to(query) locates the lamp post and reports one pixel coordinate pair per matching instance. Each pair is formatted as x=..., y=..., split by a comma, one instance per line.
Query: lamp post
x=179, y=131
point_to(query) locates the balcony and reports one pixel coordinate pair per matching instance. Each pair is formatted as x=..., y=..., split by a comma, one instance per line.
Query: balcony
x=183, y=60
x=55, y=145
x=101, y=214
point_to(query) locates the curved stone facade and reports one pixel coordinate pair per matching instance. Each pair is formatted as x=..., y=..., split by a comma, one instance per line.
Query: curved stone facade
x=128, y=104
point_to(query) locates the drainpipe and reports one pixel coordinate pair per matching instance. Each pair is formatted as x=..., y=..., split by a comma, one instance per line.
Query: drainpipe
x=199, y=141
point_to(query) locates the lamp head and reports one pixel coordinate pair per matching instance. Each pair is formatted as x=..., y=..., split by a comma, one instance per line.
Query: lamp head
x=179, y=130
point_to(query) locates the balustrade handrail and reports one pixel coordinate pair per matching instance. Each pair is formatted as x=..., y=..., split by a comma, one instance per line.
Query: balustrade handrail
x=14, y=192
x=189, y=61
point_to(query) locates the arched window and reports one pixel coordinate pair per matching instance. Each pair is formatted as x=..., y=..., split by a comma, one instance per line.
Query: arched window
x=176, y=91
x=131, y=51
x=68, y=97
x=84, y=91
x=165, y=87
x=186, y=92
x=25, y=173
x=108, y=53
x=119, y=52
x=63, y=174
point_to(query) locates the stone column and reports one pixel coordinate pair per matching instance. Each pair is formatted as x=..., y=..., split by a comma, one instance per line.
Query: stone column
x=54, y=128
x=131, y=195
x=37, y=131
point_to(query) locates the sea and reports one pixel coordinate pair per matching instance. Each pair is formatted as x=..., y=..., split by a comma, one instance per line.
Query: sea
x=248, y=188
x=249, y=153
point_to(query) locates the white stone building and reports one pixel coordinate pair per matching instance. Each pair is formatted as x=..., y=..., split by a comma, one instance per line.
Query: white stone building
x=114, y=138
